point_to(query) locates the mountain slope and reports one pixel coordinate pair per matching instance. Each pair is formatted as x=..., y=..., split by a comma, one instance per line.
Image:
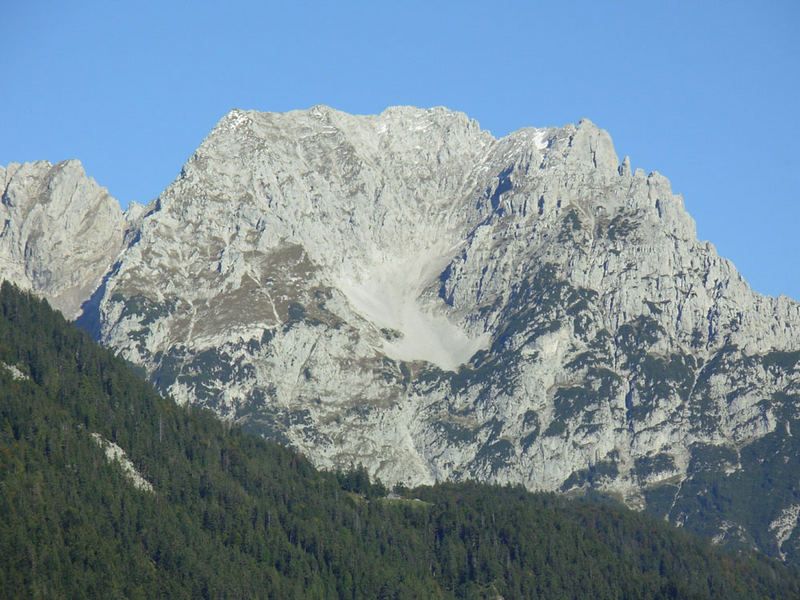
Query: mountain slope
x=60, y=231
x=228, y=515
x=406, y=292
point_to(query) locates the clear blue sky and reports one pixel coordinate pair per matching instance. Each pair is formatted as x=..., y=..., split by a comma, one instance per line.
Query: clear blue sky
x=704, y=92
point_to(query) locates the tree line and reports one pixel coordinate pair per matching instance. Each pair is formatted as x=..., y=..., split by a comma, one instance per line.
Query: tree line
x=233, y=516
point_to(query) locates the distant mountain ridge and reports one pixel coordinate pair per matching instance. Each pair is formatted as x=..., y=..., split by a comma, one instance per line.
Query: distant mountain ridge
x=406, y=292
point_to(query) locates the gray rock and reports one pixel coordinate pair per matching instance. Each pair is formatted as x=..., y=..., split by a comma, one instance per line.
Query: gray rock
x=60, y=231
x=406, y=292
x=328, y=278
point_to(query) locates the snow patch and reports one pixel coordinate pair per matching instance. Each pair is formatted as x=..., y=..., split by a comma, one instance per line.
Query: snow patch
x=115, y=453
x=388, y=294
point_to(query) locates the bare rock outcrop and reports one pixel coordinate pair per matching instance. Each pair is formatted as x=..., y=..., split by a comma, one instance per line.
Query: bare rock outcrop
x=406, y=292
x=59, y=231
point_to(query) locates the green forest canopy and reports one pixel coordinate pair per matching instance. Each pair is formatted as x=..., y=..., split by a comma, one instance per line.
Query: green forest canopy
x=232, y=516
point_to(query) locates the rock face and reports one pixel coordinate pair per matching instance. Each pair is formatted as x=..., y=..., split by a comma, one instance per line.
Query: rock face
x=59, y=231
x=406, y=292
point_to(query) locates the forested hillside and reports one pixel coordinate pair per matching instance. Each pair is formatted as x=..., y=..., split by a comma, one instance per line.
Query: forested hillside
x=231, y=516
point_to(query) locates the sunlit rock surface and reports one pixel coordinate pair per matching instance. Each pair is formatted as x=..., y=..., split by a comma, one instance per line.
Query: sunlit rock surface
x=407, y=292
x=59, y=231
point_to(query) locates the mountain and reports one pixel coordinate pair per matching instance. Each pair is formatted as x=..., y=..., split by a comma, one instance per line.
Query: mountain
x=185, y=506
x=406, y=292
x=60, y=231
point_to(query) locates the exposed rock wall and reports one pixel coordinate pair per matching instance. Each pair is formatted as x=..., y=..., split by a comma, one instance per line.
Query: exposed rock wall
x=407, y=292
x=336, y=278
x=59, y=231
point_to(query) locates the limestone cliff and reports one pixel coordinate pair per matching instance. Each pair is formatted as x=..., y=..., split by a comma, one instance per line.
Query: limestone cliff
x=407, y=292
x=59, y=231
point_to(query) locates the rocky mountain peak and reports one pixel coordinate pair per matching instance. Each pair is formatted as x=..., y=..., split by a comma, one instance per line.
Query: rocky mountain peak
x=60, y=231
x=407, y=292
